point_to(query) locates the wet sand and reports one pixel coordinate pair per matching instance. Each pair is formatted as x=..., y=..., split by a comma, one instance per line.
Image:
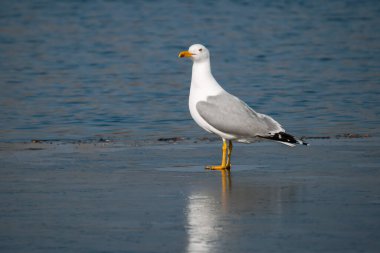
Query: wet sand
x=114, y=197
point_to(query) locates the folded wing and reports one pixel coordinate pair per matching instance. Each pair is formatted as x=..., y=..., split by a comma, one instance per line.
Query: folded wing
x=229, y=114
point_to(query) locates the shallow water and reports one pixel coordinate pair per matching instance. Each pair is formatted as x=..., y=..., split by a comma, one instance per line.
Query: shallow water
x=84, y=69
x=87, y=197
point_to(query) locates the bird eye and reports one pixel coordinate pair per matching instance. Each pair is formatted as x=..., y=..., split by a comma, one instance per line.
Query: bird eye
x=200, y=50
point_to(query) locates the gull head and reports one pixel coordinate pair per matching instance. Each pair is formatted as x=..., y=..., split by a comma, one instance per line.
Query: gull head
x=196, y=52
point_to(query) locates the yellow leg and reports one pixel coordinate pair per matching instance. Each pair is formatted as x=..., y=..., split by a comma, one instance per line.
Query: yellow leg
x=224, y=165
x=229, y=154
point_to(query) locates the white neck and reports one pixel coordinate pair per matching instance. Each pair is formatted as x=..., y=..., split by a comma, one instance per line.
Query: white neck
x=202, y=78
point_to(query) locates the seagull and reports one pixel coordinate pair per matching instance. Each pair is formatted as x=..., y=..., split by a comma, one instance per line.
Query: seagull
x=219, y=112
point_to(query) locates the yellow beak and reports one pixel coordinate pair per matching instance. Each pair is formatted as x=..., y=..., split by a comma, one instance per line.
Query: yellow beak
x=185, y=54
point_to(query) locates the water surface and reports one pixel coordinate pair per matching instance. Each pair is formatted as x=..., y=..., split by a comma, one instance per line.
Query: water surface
x=82, y=69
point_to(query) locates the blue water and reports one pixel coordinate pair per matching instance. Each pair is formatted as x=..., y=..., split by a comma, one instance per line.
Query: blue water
x=89, y=69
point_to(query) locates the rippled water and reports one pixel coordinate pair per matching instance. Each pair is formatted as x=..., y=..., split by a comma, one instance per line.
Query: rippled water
x=84, y=69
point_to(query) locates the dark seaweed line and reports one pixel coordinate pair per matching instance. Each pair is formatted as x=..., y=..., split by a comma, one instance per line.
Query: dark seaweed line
x=178, y=139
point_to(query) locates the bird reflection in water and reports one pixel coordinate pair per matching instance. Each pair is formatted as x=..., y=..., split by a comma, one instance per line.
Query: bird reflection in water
x=204, y=212
x=226, y=187
x=214, y=212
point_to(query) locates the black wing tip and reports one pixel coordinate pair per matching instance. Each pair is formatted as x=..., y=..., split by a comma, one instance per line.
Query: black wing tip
x=285, y=138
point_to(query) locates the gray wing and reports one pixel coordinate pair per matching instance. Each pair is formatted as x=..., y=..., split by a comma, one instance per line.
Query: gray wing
x=230, y=115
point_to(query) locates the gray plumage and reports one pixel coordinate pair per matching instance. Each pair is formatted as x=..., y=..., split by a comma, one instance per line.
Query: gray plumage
x=230, y=115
